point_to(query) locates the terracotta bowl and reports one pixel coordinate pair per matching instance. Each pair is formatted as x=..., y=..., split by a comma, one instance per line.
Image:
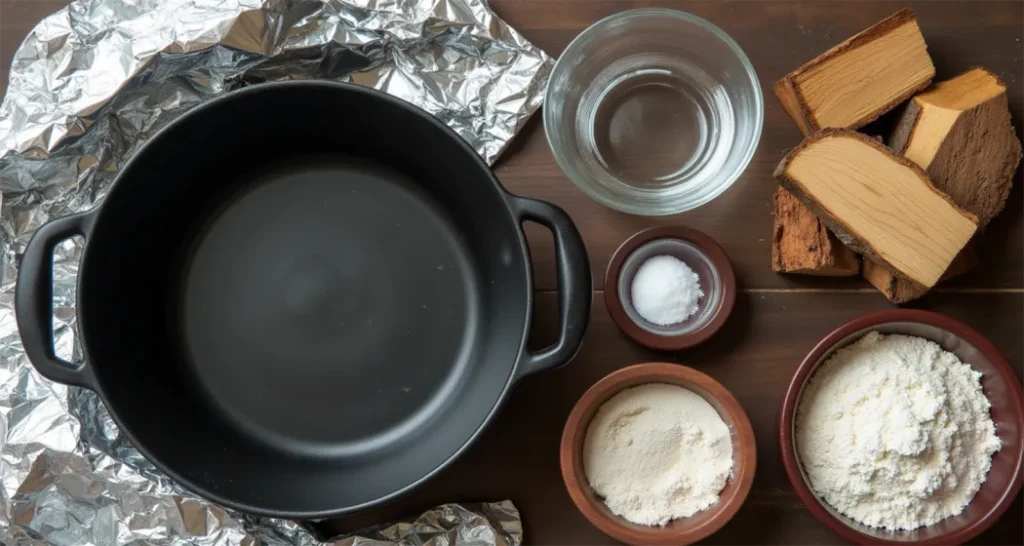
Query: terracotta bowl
x=1000, y=384
x=679, y=531
x=704, y=256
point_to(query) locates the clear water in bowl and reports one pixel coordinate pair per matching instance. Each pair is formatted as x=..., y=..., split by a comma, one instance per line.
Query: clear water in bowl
x=653, y=111
x=651, y=120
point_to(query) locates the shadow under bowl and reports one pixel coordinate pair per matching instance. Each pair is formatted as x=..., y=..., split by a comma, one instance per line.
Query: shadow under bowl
x=1001, y=386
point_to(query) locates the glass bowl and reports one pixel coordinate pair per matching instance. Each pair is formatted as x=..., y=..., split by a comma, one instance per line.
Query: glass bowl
x=653, y=111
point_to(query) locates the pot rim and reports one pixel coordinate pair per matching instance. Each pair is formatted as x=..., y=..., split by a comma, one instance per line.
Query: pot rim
x=513, y=372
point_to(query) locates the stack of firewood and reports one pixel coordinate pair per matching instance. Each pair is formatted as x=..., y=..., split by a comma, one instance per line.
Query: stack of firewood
x=903, y=214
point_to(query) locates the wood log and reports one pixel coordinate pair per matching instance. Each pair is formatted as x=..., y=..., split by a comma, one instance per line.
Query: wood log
x=860, y=79
x=802, y=244
x=959, y=131
x=847, y=86
x=879, y=204
x=901, y=291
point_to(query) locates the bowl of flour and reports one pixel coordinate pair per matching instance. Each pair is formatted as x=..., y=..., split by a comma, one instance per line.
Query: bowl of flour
x=904, y=426
x=658, y=454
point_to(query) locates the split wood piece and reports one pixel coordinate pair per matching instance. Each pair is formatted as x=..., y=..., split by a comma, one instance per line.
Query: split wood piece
x=879, y=204
x=901, y=291
x=857, y=81
x=802, y=244
x=959, y=131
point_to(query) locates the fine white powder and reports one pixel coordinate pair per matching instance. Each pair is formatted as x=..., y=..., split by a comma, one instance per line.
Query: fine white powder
x=656, y=453
x=895, y=432
x=665, y=290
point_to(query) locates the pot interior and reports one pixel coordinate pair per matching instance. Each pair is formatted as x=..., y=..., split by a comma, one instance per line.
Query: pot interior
x=302, y=298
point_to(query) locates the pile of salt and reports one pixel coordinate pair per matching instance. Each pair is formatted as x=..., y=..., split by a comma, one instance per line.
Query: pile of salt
x=665, y=291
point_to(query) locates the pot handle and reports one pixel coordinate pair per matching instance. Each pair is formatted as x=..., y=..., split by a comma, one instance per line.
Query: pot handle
x=574, y=284
x=33, y=300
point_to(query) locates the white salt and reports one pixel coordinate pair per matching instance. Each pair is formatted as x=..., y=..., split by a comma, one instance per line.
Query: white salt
x=665, y=291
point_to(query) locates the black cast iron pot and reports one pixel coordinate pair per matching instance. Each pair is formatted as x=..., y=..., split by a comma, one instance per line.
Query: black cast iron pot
x=303, y=299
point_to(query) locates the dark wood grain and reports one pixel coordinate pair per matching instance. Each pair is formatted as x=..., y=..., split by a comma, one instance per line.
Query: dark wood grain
x=777, y=318
x=754, y=356
x=778, y=37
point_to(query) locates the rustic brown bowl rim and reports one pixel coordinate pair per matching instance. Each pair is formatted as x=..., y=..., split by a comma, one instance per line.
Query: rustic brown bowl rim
x=744, y=449
x=720, y=261
x=806, y=369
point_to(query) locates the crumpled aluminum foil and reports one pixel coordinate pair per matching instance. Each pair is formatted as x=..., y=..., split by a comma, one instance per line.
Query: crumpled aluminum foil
x=489, y=524
x=93, y=82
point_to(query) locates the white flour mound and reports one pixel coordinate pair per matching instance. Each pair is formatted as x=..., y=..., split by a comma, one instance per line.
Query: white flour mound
x=895, y=432
x=656, y=453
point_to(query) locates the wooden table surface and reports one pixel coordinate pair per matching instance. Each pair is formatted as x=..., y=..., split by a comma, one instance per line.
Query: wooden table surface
x=777, y=318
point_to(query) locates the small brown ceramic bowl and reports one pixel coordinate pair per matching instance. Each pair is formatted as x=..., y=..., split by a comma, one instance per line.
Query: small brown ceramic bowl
x=679, y=531
x=1000, y=384
x=703, y=255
